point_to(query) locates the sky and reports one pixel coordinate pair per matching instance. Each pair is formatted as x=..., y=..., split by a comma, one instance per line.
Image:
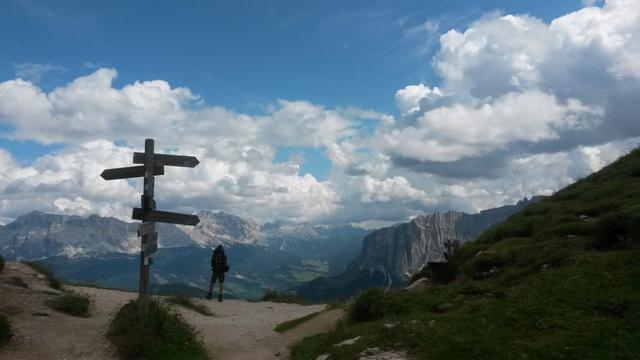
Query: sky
x=362, y=112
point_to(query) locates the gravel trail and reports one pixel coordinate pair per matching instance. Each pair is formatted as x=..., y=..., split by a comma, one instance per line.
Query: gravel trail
x=240, y=330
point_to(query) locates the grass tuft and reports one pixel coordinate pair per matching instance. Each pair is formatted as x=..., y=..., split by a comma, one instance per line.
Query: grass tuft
x=5, y=330
x=282, y=297
x=370, y=305
x=72, y=304
x=288, y=325
x=189, y=304
x=38, y=267
x=163, y=336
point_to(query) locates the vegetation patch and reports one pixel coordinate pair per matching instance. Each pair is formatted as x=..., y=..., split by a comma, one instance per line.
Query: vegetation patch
x=289, y=297
x=1, y=264
x=71, y=304
x=288, y=325
x=164, y=334
x=189, y=304
x=370, y=305
x=38, y=267
x=559, y=279
x=5, y=330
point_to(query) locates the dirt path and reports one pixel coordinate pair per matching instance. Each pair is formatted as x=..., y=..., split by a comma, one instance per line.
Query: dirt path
x=42, y=333
x=244, y=331
x=240, y=330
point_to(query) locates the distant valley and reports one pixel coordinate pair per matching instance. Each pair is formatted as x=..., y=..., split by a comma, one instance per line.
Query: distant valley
x=103, y=251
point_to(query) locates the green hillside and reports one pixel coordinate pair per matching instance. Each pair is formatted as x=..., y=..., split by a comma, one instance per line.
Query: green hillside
x=558, y=280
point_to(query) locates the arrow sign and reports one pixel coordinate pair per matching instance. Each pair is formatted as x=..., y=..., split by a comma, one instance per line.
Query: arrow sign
x=129, y=172
x=164, y=216
x=167, y=160
x=150, y=244
x=146, y=228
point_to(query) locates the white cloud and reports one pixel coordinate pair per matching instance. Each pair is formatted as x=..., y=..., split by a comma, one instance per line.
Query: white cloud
x=515, y=85
x=453, y=132
x=524, y=107
x=408, y=99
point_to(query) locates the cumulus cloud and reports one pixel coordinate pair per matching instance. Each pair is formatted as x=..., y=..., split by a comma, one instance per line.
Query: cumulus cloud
x=514, y=85
x=237, y=171
x=523, y=108
x=408, y=99
x=458, y=131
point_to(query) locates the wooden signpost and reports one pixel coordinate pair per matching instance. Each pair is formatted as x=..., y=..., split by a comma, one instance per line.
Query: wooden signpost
x=153, y=164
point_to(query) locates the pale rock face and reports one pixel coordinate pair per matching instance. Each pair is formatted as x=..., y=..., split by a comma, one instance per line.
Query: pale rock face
x=221, y=228
x=38, y=235
x=402, y=250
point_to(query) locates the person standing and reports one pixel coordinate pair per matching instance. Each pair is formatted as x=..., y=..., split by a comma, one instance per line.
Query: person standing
x=218, y=267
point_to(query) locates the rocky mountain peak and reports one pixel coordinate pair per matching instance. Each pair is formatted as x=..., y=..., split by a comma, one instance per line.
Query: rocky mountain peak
x=401, y=250
x=223, y=228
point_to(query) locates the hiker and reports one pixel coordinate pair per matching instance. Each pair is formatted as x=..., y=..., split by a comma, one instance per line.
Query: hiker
x=218, y=267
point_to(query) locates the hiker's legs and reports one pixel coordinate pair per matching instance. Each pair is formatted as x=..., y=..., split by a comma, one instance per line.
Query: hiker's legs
x=211, y=282
x=221, y=286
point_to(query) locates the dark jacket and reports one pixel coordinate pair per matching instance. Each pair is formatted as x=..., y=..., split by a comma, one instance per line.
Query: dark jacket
x=219, y=261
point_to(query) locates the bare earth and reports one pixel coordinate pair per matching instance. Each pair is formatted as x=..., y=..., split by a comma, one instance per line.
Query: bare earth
x=240, y=330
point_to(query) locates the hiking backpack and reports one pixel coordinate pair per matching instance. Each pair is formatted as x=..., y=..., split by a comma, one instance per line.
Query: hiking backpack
x=219, y=261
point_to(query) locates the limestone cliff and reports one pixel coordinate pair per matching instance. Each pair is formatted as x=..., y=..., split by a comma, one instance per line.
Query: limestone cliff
x=401, y=250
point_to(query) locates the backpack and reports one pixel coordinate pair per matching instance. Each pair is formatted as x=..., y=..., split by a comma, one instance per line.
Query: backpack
x=219, y=261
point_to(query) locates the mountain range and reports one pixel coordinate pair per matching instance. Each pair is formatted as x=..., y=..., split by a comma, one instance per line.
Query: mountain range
x=391, y=255
x=318, y=261
x=104, y=251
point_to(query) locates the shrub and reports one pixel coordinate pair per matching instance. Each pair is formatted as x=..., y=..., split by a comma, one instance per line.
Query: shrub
x=613, y=230
x=72, y=304
x=1, y=264
x=164, y=334
x=290, y=297
x=53, y=282
x=370, y=305
x=445, y=272
x=189, y=304
x=5, y=330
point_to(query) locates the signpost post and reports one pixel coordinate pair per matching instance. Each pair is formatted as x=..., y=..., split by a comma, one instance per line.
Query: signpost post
x=152, y=164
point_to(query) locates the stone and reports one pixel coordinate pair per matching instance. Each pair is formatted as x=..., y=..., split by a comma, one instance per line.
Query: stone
x=348, y=341
x=323, y=357
x=389, y=326
x=421, y=283
x=377, y=354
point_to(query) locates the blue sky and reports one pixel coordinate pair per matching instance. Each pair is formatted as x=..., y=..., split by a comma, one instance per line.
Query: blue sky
x=243, y=54
x=382, y=76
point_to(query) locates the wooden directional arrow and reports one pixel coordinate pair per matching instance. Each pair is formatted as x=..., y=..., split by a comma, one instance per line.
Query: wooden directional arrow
x=165, y=216
x=129, y=172
x=167, y=160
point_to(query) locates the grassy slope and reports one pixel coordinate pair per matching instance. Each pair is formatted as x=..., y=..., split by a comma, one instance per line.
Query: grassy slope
x=563, y=287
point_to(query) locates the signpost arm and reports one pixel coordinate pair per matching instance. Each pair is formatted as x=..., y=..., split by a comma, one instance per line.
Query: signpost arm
x=147, y=204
